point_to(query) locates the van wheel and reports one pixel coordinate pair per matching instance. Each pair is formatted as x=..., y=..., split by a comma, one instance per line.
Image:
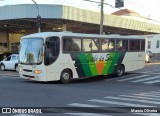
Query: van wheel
x=119, y=71
x=65, y=76
x=2, y=67
x=16, y=68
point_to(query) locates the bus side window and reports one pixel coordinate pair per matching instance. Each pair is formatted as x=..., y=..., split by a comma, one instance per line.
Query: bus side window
x=108, y=45
x=134, y=45
x=66, y=44
x=111, y=45
x=90, y=44
x=76, y=46
x=104, y=44
x=125, y=44
x=121, y=45
x=71, y=44
x=87, y=45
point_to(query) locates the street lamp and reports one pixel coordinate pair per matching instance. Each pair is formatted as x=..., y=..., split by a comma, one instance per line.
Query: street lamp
x=38, y=17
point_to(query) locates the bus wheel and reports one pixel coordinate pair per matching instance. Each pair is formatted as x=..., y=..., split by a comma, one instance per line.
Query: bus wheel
x=119, y=70
x=65, y=76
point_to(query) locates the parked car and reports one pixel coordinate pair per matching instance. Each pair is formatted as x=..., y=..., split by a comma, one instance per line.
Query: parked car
x=148, y=56
x=10, y=63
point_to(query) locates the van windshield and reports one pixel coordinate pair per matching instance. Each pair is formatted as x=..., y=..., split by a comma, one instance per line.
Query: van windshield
x=31, y=51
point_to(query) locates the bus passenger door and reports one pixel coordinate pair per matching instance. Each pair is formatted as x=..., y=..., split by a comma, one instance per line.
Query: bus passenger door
x=52, y=47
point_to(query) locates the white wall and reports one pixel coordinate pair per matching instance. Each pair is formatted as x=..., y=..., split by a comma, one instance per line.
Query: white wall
x=153, y=39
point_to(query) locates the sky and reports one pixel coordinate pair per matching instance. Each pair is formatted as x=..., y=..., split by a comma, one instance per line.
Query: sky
x=147, y=8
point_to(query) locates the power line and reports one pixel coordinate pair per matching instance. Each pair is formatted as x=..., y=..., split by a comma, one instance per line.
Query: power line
x=102, y=13
x=92, y=1
x=142, y=7
x=70, y=3
x=122, y=9
x=100, y=3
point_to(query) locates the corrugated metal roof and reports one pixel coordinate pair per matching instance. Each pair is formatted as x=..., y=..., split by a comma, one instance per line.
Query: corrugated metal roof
x=30, y=11
x=75, y=14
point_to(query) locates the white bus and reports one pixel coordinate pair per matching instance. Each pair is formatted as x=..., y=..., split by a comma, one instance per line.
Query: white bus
x=50, y=56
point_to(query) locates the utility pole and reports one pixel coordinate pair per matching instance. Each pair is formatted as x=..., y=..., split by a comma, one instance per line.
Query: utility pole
x=38, y=17
x=102, y=17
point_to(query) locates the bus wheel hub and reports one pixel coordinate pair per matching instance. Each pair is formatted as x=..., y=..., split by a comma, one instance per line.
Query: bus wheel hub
x=66, y=76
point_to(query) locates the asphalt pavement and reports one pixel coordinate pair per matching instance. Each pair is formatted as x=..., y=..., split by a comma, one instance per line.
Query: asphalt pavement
x=97, y=96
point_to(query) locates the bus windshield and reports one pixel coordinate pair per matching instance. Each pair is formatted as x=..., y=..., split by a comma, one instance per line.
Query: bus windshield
x=31, y=51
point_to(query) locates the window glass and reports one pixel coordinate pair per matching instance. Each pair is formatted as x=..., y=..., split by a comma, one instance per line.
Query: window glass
x=149, y=44
x=121, y=45
x=31, y=51
x=5, y=45
x=14, y=47
x=8, y=58
x=14, y=58
x=90, y=45
x=86, y=44
x=71, y=44
x=134, y=45
x=157, y=44
x=142, y=45
x=52, y=47
x=107, y=45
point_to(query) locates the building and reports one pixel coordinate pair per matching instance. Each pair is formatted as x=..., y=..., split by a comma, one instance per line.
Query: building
x=153, y=43
x=19, y=20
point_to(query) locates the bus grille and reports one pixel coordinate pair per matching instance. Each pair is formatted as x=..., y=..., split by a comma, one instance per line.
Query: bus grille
x=27, y=70
x=28, y=76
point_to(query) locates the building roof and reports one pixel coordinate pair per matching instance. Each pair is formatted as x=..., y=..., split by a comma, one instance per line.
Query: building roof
x=29, y=11
x=124, y=12
x=23, y=16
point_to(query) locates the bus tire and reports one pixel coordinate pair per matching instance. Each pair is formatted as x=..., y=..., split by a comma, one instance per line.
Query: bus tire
x=119, y=70
x=65, y=76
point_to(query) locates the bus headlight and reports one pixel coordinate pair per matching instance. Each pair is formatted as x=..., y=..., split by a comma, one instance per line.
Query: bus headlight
x=20, y=70
x=37, y=71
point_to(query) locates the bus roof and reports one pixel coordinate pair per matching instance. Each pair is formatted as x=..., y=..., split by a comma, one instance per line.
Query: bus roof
x=61, y=34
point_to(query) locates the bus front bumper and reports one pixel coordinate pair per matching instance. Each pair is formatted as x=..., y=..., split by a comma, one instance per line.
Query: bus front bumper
x=30, y=74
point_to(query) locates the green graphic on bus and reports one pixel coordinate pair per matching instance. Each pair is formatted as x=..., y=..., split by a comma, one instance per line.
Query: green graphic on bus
x=92, y=64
